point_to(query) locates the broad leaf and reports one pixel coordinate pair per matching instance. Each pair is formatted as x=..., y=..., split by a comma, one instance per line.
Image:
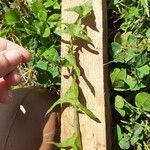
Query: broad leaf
x=118, y=77
x=46, y=32
x=133, y=83
x=53, y=18
x=142, y=100
x=124, y=142
x=119, y=105
x=119, y=101
x=71, y=97
x=12, y=17
x=41, y=64
x=72, y=142
x=143, y=71
x=136, y=135
x=49, y=3
x=54, y=71
x=118, y=132
x=82, y=10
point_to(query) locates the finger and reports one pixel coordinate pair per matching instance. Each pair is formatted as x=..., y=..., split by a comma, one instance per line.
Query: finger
x=8, y=61
x=10, y=46
x=12, y=78
x=5, y=93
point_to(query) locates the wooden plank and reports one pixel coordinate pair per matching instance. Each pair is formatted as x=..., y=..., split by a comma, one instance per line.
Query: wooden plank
x=94, y=90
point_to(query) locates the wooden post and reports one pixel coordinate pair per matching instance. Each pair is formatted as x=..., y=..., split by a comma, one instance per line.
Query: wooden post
x=94, y=91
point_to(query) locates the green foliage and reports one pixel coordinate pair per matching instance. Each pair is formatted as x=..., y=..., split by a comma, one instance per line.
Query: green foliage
x=143, y=101
x=134, y=130
x=75, y=30
x=12, y=17
x=119, y=105
x=71, y=97
x=83, y=10
x=130, y=53
x=35, y=25
x=73, y=142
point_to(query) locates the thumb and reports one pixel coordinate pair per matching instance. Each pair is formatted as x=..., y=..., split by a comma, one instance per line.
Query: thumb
x=8, y=61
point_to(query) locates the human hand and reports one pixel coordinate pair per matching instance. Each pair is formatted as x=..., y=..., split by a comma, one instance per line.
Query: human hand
x=11, y=55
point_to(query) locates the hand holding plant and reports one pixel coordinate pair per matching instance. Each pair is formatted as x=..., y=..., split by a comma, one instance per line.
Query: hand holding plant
x=11, y=55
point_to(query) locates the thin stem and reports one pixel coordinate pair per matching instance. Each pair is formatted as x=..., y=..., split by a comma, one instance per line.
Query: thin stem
x=77, y=127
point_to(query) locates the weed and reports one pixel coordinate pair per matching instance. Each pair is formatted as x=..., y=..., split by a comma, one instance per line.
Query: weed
x=130, y=73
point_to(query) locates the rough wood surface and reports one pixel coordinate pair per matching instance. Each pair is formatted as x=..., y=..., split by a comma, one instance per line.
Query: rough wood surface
x=94, y=93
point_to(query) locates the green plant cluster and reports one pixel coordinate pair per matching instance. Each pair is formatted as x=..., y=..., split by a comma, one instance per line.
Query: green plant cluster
x=35, y=24
x=75, y=31
x=130, y=72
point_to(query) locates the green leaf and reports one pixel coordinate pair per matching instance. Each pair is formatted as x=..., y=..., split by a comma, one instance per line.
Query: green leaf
x=30, y=2
x=4, y=32
x=119, y=132
x=141, y=59
x=40, y=27
x=148, y=33
x=51, y=54
x=56, y=5
x=119, y=101
x=74, y=29
x=71, y=142
x=117, y=38
x=119, y=105
x=54, y=71
x=145, y=4
x=41, y=65
x=86, y=111
x=142, y=100
x=132, y=40
x=39, y=10
x=137, y=130
x=139, y=147
x=84, y=37
x=116, y=1
x=121, y=112
x=82, y=10
x=117, y=52
x=42, y=15
x=71, y=97
x=38, y=7
x=53, y=18
x=72, y=62
x=130, y=12
x=124, y=142
x=143, y=71
x=118, y=76
x=49, y=3
x=133, y=83
x=12, y=17
x=46, y=32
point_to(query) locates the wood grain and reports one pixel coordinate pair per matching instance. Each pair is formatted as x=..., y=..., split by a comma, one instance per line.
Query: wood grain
x=94, y=91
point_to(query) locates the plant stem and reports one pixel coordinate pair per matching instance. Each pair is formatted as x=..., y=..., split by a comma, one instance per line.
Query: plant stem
x=77, y=127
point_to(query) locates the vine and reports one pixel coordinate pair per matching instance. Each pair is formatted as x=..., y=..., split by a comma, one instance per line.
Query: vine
x=129, y=73
x=75, y=30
